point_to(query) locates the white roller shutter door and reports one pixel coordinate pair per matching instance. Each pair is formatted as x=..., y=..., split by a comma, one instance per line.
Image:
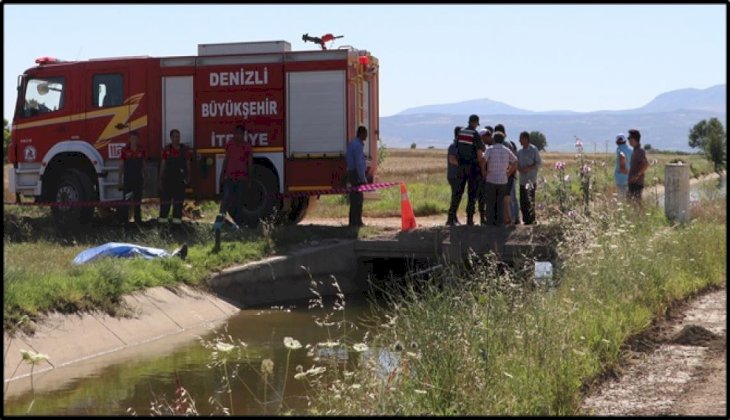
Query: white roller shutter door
x=316, y=113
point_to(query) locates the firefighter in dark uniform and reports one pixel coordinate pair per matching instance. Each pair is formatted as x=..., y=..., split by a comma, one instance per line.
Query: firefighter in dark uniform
x=470, y=152
x=174, y=176
x=133, y=156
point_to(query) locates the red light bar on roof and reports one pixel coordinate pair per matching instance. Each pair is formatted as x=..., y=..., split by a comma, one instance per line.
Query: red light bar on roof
x=47, y=60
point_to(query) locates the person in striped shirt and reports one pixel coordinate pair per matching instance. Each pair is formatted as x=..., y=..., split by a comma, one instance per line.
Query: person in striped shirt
x=500, y=164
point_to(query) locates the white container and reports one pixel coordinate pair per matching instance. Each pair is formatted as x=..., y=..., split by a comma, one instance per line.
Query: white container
x=543, y=271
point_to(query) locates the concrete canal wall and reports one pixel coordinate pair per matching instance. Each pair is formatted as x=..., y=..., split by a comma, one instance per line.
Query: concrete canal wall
x=156, y=314
x=288, y=278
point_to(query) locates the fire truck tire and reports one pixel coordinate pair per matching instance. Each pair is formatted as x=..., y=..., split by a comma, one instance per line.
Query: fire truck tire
x=72, y=185
x=298, y=211
x=260, y=201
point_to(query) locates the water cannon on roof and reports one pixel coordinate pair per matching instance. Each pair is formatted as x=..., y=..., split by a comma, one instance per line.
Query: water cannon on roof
x=321, y=40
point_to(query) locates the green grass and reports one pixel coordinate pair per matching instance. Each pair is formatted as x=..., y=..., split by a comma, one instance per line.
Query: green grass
x=32, y=288
x=485, y=342
x=57, y=284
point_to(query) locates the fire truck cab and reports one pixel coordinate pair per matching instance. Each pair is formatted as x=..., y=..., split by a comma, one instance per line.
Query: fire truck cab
x=300, y=109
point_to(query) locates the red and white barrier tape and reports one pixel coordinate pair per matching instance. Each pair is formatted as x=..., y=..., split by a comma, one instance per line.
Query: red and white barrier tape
x=119, y=203
x=361, y=188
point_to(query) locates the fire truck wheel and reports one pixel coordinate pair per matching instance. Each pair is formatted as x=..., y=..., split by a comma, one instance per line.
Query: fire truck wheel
x=298, y=211
x=73, y=185
x=259, y=202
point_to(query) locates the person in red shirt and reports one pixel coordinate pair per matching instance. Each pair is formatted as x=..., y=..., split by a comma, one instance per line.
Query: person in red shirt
x=133, y=159
x=174, y=175
x=236, y=172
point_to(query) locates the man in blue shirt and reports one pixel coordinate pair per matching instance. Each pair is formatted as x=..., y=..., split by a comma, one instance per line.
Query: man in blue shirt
x=623, y=164
x=355, y=158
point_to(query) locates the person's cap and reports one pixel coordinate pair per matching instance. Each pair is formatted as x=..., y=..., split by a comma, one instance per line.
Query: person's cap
x=473, y=117
x=489, y=129
x=620, y=138
x=482, y=132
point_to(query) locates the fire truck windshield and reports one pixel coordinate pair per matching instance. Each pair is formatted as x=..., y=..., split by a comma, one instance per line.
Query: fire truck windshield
x=43, y=96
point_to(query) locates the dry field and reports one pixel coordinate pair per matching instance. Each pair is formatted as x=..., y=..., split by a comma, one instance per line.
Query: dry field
x=408, y=164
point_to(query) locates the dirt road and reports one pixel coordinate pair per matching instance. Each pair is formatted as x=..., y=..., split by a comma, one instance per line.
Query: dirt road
x=679, y=367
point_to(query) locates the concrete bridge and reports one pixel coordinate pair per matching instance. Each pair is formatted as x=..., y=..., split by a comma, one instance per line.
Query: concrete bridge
x=510, y=244
x=288, y=277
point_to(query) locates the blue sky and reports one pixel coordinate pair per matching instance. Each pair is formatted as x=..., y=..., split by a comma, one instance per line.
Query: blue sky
x=552, y=57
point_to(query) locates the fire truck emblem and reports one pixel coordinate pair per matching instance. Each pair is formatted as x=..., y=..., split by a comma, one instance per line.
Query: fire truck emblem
x=115, y=150
x=29, y=153
x=119, y=122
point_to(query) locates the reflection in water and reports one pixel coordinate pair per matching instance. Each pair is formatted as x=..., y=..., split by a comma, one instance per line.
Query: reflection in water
x=134, y=385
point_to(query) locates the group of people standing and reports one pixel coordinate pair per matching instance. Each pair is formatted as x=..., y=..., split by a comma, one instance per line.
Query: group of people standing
x=488, y=164
x=482, y=161
x=175, y=174
x=631, y=164
x=235, y=177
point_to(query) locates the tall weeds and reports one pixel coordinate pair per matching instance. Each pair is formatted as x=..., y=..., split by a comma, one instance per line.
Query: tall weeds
x=482, y=341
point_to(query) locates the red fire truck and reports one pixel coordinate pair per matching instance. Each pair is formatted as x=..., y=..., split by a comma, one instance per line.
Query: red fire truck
x=299, y=107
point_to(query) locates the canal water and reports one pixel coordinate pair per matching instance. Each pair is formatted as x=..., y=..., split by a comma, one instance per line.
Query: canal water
x=131, y=386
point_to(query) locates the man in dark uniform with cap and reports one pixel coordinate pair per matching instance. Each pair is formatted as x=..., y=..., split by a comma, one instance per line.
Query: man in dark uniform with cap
x=470, y=153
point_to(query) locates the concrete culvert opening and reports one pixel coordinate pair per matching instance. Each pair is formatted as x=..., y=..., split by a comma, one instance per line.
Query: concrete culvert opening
x=386, y=277
x=392, y=277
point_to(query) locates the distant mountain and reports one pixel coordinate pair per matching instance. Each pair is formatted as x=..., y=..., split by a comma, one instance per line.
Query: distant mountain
x=712, y=99
x=476, y=106
x=664, y=122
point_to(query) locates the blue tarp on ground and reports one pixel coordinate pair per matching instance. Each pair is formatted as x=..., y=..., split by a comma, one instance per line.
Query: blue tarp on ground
x=119, y=250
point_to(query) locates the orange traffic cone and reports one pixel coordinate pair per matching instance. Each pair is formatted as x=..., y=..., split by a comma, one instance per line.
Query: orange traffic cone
x=407, y=218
